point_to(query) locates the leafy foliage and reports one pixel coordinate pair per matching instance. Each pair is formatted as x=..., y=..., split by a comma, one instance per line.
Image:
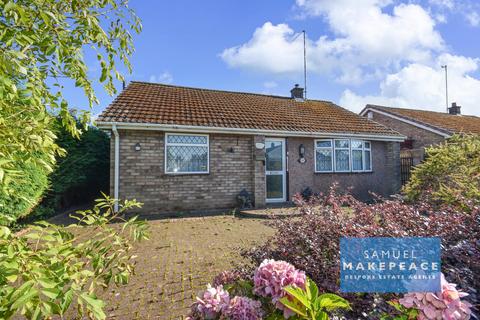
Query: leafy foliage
x=402, y=313
x=270, y=293
x=311, y=242
x=26, y=190
x=50, y=270
x=81, y=174
x=450, y=174
x=309, y=304
x=42, y=45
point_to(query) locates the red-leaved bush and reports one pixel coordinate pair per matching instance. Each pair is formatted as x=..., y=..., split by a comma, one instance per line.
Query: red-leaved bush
x=311, y=242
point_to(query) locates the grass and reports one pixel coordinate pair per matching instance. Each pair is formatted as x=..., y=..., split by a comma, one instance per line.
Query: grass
x=182, y=256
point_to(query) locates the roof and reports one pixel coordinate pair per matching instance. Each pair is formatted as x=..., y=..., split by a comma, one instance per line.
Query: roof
x=444, y=122
x=159, y=104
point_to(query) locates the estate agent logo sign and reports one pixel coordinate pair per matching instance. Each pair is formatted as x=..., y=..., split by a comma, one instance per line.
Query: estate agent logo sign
x=390, y=264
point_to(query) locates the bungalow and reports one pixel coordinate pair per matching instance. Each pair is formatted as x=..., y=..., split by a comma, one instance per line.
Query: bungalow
x=177, y=148
x=422, y=128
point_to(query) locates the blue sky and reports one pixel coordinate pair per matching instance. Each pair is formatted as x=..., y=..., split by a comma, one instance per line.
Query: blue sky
x=359, y=51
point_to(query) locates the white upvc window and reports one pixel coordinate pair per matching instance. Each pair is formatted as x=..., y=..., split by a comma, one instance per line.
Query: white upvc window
x=324, y=155
x=367, y=156
x=343, y=155
x=186, y=153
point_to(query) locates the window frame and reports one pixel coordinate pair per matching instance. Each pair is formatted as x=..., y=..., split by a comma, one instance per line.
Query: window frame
x=364, y=158
x=350, y=153
x=332, y=150
x=167, y=144
x=343, y=149
x=362, y=150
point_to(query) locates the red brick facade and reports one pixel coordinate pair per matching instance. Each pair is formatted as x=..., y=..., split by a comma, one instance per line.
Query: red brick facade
x=235, y=164
x=420, y=138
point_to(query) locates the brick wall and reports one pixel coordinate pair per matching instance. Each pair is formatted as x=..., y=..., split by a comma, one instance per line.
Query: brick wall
x=384, y=178
x=142, y=173
x=421, y=137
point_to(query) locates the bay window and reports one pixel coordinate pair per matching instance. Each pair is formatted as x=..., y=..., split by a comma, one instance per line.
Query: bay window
x=186, y=153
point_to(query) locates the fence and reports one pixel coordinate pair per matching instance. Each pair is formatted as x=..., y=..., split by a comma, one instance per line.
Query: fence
x=406, y=165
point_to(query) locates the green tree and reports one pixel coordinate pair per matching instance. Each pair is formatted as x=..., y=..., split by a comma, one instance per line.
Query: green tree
x=42, y=45
x=25, y=193
x=449, y=175
x=81, y=174
x=52, y=270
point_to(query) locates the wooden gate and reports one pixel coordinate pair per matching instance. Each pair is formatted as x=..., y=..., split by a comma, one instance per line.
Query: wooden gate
x=406, y=164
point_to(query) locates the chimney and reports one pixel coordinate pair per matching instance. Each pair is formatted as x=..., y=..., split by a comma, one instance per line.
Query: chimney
x=454, y=109
x=297, y=93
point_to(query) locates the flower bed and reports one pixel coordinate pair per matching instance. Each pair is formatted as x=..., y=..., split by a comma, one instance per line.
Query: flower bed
x=311, y=242
x=277, y=290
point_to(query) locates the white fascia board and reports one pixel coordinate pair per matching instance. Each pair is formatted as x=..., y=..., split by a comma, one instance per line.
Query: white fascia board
x=270, y=133
x=413, y=123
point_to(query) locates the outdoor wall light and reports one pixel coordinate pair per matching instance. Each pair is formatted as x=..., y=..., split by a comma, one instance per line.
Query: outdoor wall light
x=301, y=153
x=259, y=145
x=138, y=147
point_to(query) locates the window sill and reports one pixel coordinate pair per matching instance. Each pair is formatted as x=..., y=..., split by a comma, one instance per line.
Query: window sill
x=342, y=172
x=171, y=174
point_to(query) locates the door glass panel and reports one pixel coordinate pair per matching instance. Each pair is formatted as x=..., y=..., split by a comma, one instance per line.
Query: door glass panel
x=274, y=152
x=274, y=186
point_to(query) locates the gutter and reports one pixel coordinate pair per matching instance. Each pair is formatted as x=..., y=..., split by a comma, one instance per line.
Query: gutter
x=116, y=170
x=270, y=133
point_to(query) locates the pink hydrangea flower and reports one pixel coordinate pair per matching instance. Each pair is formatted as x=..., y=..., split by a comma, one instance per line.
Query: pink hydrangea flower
x=444, y=305
x=243, y=308
x=212, y=303
x=272, y=276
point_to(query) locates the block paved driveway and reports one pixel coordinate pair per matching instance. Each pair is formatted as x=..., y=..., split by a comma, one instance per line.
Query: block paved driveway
x=181, y=257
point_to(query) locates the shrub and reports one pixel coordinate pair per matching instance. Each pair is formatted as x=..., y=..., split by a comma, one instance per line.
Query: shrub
x=51, y=269
x=23, y=194
x=277, y=290
x=79, y=175
x=449, y=175
x=311, y=242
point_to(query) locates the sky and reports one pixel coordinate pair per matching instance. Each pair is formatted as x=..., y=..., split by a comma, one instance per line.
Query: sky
x=358, y=51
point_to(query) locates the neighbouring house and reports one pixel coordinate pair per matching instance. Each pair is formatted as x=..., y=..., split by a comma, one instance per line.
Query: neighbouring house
x=177, y=148
x=422, y=128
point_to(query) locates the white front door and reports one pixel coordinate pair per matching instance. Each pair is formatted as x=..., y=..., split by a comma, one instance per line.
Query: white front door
x=275, y=169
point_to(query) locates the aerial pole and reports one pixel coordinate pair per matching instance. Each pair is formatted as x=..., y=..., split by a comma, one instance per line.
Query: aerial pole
x=305, y=63
x=446, y=85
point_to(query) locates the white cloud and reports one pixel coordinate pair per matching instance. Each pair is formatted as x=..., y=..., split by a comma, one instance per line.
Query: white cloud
x=448, y=4
x=273, y=48
x=366, y=39
x=164, y=77
x=469, y=9
x=473, y=18
x=423, y=86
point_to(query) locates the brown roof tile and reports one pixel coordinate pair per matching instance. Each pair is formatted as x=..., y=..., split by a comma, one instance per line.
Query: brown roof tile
x=438, y=120
x=152, y=103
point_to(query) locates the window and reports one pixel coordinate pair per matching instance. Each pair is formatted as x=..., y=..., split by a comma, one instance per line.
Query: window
x=343, y=155
x=186, y=153
x=323, y=156
x=367, y=159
